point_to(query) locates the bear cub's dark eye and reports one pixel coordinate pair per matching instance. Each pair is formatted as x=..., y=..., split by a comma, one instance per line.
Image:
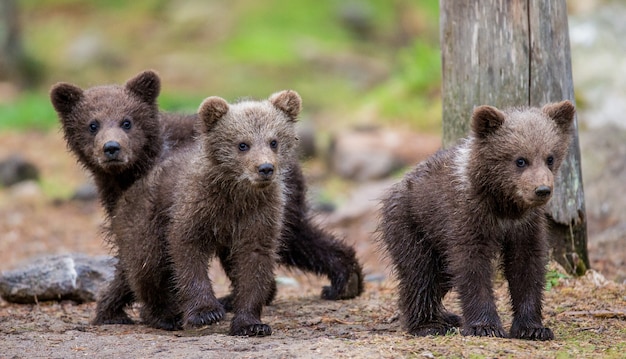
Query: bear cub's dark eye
x=126, y=124
x=243, y=147
x=521, y=162
x=550, y=161
x=274, y=144
x=94, y=126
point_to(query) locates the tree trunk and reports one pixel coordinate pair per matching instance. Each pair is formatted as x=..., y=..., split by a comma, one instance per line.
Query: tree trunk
x=514, y=53
x=11, y=53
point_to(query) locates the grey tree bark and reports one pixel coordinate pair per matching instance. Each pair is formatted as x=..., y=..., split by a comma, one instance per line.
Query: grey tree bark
x=11, y=52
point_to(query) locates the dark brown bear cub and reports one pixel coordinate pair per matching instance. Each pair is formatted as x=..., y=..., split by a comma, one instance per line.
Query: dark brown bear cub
x=118, y=134
x=230, y=203
x=450, y=217
x=113, y=130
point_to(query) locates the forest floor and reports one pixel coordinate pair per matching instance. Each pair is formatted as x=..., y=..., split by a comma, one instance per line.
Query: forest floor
x=587, y=314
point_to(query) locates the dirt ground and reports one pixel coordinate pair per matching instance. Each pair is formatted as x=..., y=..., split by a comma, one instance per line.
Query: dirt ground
x=588, y=315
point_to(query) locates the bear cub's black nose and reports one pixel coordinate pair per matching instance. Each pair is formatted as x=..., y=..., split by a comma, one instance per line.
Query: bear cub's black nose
x=266, y=170
x=543, y=191
x=112, y=149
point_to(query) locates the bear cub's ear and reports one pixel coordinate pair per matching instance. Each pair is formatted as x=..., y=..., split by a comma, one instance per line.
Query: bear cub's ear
x=146, y=85
x=212, y=109
x=64, y=97
x=287, y=101
x=562, y=113
x=486, y=119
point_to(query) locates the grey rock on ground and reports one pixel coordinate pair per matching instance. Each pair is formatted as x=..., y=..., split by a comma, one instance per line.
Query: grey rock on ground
x=15, y=169
x=367, y=154
x=76, y=277
x=86, y=192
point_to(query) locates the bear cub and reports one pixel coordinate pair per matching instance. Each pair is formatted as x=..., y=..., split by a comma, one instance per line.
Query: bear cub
x=117, y=132
x=451, y=216
x=229, y=203
x=119, y=135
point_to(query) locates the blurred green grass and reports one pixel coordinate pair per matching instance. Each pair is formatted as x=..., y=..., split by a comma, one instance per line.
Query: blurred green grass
x=352, y=61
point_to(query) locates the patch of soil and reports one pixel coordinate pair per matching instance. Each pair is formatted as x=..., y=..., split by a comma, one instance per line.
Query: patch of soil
x=587, y=314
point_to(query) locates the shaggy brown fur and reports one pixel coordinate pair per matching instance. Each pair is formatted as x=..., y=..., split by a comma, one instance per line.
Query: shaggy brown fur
x=230, y=203
x=117, y=134
x=450, y=217
x=113, y=130
x=303, y=245
x=222, y=197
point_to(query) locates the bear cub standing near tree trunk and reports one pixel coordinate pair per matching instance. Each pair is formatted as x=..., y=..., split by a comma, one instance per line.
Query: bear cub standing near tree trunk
x=230, y=203
x=446, y=221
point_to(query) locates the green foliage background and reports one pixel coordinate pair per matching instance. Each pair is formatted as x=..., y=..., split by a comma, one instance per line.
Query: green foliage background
x=353, y=62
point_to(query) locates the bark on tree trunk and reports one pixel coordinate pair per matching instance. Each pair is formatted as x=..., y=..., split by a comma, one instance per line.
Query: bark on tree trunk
x=512, y=53
x=10, y=47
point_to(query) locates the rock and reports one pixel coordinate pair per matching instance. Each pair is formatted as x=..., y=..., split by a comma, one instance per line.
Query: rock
x=287, y=281
x=86, y=192
x=26, y=191
x=362, y=202
x=76, y=277
x=16, y=169
x=91, y=47
x=374, y=153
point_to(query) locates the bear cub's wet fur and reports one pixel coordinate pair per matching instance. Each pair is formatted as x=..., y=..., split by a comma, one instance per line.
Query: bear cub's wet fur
x=230, y=204
x=143, y=139
x=117, y=132
x=452, y=215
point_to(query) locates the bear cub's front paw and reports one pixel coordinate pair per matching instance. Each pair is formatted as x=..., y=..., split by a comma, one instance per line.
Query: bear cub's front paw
x=121, y=318
x=540, y=333
x=206, y=316
x=252, y=330
x=486, y=330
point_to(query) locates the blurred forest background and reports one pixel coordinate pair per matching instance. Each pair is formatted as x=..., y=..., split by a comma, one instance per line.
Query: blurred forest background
x=369, y=73
x=352, y=61
x=358, y=64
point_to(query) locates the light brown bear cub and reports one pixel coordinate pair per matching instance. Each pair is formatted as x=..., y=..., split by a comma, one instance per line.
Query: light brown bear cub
x=230, y=203
x=450, y=217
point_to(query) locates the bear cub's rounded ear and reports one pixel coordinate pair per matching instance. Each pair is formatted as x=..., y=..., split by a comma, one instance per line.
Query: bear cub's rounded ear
x=486, y=119
x=562, y=113
x=64, y=97
x=287, y=101
x=146, y=85
x=212, y=109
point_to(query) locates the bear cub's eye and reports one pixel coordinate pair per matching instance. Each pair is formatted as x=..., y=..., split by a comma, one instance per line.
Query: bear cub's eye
x=550, y=161
x=274, y=144
x=126, y=124
x=243, y=147
x=94, y=126
x=521, y=162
